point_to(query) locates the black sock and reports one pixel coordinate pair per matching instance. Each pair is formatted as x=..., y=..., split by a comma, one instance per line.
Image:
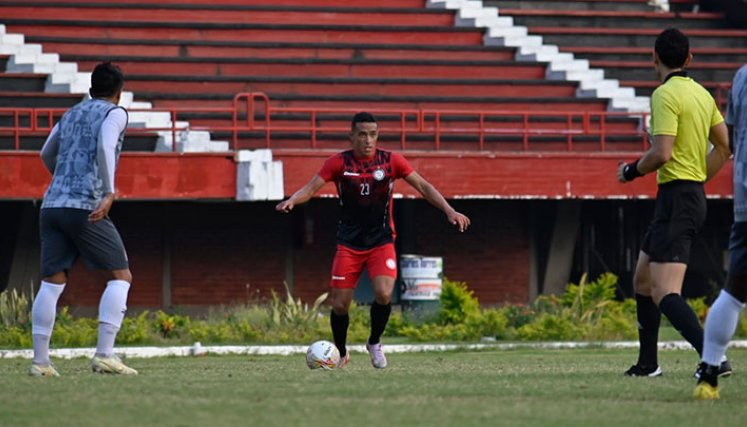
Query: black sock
x=683, y=319
x=340, y=323
x=379, y=318
x=649, y=318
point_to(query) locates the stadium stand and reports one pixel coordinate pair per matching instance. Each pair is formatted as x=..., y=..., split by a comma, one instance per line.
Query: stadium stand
x=617, y=36
x=397, y=56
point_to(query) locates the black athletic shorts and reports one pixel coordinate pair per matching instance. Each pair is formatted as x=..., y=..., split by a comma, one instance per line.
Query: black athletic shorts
x=738, y=249
x=679, y=216
x=66, y=233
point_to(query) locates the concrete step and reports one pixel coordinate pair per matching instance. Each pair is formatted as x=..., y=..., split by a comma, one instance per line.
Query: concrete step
x=648, y=21
x=632, y=5
x=637, y=38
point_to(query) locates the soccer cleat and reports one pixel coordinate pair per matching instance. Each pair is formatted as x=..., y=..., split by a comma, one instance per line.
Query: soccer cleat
x=639, y=371
x=111, y=365
x=344, y=361
x=705, y=391
x=724, y=370
x=378, y=360
x=43, y=371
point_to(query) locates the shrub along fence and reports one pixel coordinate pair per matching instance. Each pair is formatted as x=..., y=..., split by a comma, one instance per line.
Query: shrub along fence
x=586, y=311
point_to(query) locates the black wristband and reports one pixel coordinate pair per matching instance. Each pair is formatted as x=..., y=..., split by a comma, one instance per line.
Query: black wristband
x=630, y=171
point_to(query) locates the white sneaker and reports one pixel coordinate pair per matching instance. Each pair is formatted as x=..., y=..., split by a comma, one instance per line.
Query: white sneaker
x=378, y=360
x=43, y=371
x=111, y=365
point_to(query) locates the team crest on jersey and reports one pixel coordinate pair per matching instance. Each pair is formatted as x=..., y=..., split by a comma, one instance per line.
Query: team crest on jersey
x=378, y=174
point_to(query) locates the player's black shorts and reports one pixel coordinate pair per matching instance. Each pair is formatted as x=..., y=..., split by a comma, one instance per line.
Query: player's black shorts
x=679, y=216
x=738, y=249
x=66, y=233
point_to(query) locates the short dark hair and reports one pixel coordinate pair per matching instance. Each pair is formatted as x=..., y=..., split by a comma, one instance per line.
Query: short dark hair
x=106, y=80
x=362, y=117
x=672, y=47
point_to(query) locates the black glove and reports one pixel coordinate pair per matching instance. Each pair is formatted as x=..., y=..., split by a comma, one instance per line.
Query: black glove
x=630, y=171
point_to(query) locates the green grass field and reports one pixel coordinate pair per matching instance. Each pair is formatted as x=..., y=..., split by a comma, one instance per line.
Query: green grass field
x=520, y=387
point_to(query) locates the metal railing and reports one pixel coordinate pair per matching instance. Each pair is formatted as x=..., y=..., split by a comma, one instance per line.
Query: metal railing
x=251, y=116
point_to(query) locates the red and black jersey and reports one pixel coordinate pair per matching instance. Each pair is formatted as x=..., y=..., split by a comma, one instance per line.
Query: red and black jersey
x=365, y=190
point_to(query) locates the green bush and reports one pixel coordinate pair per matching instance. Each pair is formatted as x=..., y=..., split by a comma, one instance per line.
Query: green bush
x=586, y=311
x=15, y=337
x=395, y=325
x=457, y=303
x=517, y=315
x=585, y=296
x=490, y=323
x=72, y=332
x=292, y=311
x=171, y=325
x=15, y=308
x=700, y=308
x=550, y=326
x=742, y=325
x=136, y=330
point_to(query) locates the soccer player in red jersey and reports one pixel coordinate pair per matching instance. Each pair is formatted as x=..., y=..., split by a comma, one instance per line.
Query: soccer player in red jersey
x=365, y=178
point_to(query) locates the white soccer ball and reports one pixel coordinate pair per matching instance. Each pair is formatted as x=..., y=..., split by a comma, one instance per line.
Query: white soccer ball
x=322, y=354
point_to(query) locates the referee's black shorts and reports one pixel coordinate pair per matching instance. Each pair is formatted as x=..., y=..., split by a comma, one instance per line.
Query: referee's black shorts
x=679, y=216
x=66, y=234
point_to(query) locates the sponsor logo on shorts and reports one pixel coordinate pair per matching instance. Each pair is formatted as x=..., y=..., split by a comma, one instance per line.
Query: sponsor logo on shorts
x=338, y=277
x=391, y=264
x=378, y=174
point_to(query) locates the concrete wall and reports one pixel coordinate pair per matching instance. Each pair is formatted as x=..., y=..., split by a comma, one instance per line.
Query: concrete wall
x=186, y=254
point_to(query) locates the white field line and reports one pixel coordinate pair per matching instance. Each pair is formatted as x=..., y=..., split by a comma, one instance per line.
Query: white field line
x=286, y=350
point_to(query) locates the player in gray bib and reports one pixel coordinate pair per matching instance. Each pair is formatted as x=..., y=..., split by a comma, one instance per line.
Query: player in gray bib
x=723, y=317
x=81, y=153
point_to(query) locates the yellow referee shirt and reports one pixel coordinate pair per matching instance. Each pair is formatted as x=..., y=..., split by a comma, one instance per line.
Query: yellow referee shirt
x=682, y=108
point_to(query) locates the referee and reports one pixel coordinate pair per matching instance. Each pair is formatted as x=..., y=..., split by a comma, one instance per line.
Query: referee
x=684, y=118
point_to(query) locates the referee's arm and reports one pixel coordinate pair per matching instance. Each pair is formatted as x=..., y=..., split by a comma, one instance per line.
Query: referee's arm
x=720, y=153
x=659, y=153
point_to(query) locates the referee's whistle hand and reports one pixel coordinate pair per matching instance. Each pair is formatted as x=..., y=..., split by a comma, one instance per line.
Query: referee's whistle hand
x=621, y=171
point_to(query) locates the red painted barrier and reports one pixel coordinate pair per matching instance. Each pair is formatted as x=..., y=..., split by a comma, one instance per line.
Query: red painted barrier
x=468, y=175
x=479, y=172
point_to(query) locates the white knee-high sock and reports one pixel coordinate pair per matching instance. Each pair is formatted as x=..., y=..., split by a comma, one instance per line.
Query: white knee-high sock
x=112, y=309
x=43, y=314
x=720, y=325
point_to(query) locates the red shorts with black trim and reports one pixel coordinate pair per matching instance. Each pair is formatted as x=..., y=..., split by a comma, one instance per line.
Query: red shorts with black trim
x=349, y=264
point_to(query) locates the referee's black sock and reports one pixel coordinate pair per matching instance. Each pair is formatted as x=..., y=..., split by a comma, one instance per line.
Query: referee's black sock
x=340, y=323
x=379, y=318
x=683, y=319
x=649, y=318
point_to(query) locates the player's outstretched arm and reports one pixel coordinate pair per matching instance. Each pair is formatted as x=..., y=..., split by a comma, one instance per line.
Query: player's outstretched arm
x=720, y=154
x=302, y=195
x=434, y=197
